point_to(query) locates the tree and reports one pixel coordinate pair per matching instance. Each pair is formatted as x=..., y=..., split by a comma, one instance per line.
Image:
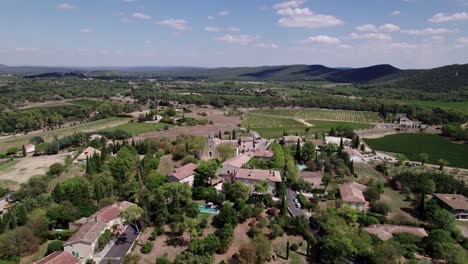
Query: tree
x=56, y=169
x=262, y=187
x=162, y=260
x=298, y=150
x=206, y=172
x=308, y=151
x=132, y=214
x=287, y=249
x=423, y=158
x=380, y=208
x=387, y=252
x=23, y=151
x=335, y=248
x=132, y=258
x=53, y=246
x=402, y=159
x=227, y=215
x=225, y=151
x=442, y=163
x=18, y=242
x=257, y=251
x=236, y=191
x=443, y=219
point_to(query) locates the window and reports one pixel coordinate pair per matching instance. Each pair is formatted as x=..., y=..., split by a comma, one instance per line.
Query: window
x=73, y=253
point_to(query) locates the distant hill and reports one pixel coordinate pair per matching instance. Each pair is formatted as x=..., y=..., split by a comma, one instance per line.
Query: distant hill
x=56, y=75
x=361, y=75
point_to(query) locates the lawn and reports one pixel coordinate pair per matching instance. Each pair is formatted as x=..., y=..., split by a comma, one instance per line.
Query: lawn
x=269, y=122
x=17, y=141
x=321, y=114
x=458, y=106
x=136, y=128
x=412, y=145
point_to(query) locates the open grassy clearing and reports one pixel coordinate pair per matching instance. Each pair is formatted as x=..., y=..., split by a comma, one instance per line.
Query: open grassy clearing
x=458, y=106
x=17, y=141
x=412, y=145
x=90, y=103
x=274, y=127
x=136, y=128
x=320, y=114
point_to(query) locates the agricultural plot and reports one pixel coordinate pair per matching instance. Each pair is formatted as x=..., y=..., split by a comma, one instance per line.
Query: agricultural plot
x=274, y=127
x=412, y=145
x=89, y=103
x=135, y=128
x=320, y=114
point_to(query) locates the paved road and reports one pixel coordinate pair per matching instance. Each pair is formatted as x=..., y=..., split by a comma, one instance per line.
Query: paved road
x=292, y=207
x=121, y=247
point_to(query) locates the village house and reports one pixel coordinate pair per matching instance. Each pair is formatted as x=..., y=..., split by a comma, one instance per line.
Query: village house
x=251, y=177
x=386, y=232
x=86, y=154
x=289, y=140
x=337, y=140
x=58, y=257
x=317, y=142
x=231, y=166
x=354, y=155
x=313, y=177
x=95, y=136
x=352, y=195
x=263, y=154
x=83, y=242
x=457, y=204
x=183, y=174
x=30, y=149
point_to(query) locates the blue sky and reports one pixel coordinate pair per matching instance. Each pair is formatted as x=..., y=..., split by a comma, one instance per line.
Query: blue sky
x=210, y=33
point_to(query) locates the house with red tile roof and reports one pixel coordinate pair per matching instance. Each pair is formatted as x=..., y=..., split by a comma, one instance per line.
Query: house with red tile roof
x=313, y=177
x=183, y=174
x=87, y=153
x=457, y=204
x=58, y=257
x=386, y=232
x=352, y=195
x=251, y=177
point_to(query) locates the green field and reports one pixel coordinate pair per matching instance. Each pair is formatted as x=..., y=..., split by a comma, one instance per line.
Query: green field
x=413, y=144
x=89, y=103
x=274, y=127
x=458, y=106
x=136, y=128
x=332, y=115
x=17, y=141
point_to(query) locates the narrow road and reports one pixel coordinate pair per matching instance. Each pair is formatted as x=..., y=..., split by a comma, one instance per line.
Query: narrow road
x=292, y=207
x=123, y=244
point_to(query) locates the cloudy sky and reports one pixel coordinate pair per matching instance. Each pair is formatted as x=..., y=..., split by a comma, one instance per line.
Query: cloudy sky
x=352, y=33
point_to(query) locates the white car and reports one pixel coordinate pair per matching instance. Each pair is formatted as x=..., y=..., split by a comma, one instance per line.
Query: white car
x=295, y=200
x=298, y=205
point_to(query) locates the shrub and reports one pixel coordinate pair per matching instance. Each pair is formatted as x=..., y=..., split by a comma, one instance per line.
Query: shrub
x=294, y=247
x=162, y=260
x=380, y=208
x=147, y=247
x=54, y=246
x=103, y=240
x=56, y=169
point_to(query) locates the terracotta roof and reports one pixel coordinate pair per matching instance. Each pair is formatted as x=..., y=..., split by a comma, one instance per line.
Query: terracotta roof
x=263, y=153
x=259, y=175
x=385, y=232
x=87, y=153
x=317, y=142
x=455, y=201
x=58, y=257
x=352, y=192
x=108, y=214
x=238, y=161
x=87, y=233
x=185, y=171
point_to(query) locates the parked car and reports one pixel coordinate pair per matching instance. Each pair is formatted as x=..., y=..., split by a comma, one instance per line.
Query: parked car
x=298, y=205
x=295, y=200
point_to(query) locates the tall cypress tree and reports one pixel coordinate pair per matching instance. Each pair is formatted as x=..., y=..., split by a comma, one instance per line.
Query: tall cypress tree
x=298, y=150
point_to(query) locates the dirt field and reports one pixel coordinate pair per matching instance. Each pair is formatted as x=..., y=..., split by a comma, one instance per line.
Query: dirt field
x=27, y=167
x=220, y=122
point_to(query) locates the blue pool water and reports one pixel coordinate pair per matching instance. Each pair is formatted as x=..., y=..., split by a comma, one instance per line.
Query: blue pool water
x=301, y=167
x=203, y=209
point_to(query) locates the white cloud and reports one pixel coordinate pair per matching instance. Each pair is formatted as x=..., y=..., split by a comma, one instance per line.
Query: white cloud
x=462, y=42
x=221, y=29
x=427, y=31
x=179, y=24
x=441, y=17
x=86, y=30
x=323, y=39
x=377, y=36
x=223, y=13
x=389, y=28
x=294, y=16
x=65, y=6
x=267, y=45
x=141, y=16
x=238, y=39
x=210, y=17
x=289, y=4
x=305, y=18
x=396, y=13
x=374, y=28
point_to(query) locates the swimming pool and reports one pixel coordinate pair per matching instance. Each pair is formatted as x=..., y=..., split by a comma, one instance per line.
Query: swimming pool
x=203, y=209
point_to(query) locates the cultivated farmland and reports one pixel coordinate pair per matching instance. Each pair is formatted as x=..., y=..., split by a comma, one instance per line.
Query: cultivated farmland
x=412, y=145
x=267, y=121
x=135, y=128
x=320, y=114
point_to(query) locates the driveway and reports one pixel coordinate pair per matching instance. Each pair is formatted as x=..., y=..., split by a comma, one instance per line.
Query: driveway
x=292, y=207
x=123, y=244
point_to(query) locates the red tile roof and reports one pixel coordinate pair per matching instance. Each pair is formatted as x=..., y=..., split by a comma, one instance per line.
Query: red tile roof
x=87, y=233
x=351, y=192
x=185, y=171
x=317, y=142
x=263, y=153
x=455, y=201
x=259, y=175
x=352, y=152
x=58, y=257
x=107, y=214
